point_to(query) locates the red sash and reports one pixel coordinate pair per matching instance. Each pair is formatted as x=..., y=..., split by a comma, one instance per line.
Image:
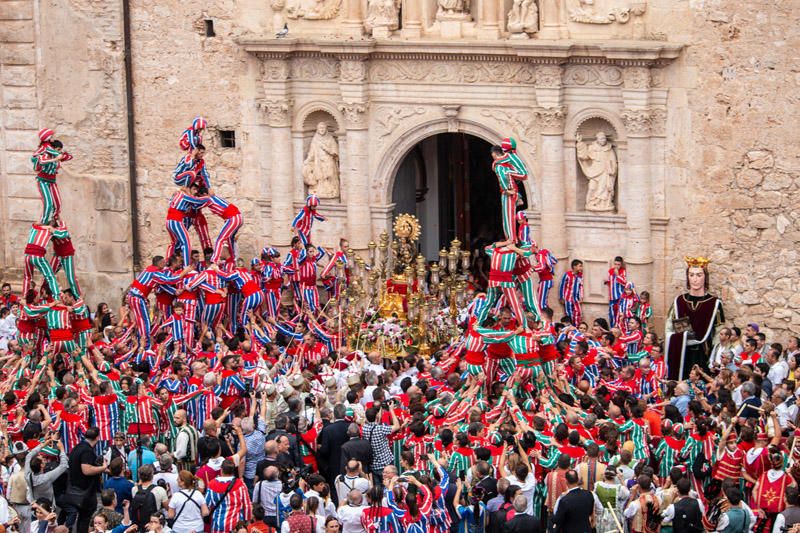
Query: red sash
x=309, y=281
x=63, y=247
x=81, y=324
x=164, y=298
x=475, y=358
x=143, y=289
x=26, y=326
x=61, y=335
x=46, y=177
x=521, y=268
x=175, y=214
x=35, y=250
x=548, y=352
x=214, y=298
x=251, y=287
x=230, y=212
x=273, y=285
x=499, y=276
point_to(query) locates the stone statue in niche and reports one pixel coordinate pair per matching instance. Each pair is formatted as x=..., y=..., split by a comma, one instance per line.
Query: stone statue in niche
x=313, y=9
x=598, y=161
x=278, y=20
x=523, y=17
x=452, y=10
x=382, y=14
x=321, y=166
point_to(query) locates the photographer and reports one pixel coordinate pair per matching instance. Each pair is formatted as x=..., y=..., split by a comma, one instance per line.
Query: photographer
x=265, y=493
x=40, y=483
x=377, y=433
x=80, y=500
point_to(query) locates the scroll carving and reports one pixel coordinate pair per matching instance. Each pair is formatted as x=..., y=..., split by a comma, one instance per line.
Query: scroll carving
x=455, y=72
x=593, y=75
x=315, y=69
x=389, y=118
x=637, y=122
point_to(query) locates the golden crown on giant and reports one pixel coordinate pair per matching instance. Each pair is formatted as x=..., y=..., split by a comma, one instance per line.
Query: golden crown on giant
x=698, y=261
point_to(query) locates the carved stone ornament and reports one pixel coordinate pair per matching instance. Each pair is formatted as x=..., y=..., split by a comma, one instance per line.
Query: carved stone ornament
x=276, y=70
x=551, y=119
x=312, y=68
x=389, y=118
x=451, y=114
x=313, y=9
x=522, y=123
x=548, y=76
x=492, y=72
x=523, y=17
x=277, y=111
x=637, y=77
x=382, y=14
x=637, y=122
x=658, y=122
x=355, y=115
x=453, y=10
x=352, y=71
x=593, y=75
x=587, y=12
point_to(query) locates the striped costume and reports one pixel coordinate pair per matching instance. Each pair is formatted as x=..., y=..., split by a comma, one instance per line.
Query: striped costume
x=504, y=170
x=632, y=341
x=414, y=524
x=81, y=324
x=106, y=413
x=191, y=283
x=232, y=223
x=501, y=281
x=570, y=292
x=628, y=307
x=59, y=325
x=272, y=276
x=616, y=287
x=251, y=295
x=639, y=433
x=179, y=205
x=199, y=407
x=193, y=135
x=332, y=284
x=191, y=172
x=70, y=427
x=213, y=302
x=304, y=220
x=507, y=364
x=308, y=278
x=64, y=256
x=291, y=266
x=46, y=167
x=236, y=505
x=667, y=452
x=35, y=250
x=545, y=266
x=140, y=289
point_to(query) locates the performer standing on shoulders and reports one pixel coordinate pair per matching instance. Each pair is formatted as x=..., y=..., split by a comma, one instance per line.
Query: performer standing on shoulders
x=570, y=292
x=617, y=278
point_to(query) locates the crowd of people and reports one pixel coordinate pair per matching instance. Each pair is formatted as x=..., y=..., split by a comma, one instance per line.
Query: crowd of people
x=238, y=401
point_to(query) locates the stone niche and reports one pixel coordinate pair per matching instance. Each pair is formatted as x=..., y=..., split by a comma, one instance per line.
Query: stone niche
x=589, y=130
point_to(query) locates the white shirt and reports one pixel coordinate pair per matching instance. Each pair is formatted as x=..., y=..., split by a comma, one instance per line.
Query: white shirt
x=778, y=372
x=350, y=516
x=736, y=395
x=345, y=484
x=527, y=488
x=780, y=521
x=171, y=478
x=786, y=413
x=191, y=518
x=723, y=519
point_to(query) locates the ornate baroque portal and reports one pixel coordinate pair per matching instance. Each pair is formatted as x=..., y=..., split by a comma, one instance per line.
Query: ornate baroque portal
x=380, y=97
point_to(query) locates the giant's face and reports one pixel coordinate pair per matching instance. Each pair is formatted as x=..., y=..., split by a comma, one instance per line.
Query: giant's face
x=697, y=278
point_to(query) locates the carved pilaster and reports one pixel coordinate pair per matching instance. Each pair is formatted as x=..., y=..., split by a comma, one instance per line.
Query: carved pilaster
x=548, y=76
x=355, y=115
x=352, y=71
x=551, y=119
x=658, y=122
x=636, y=78
x=637, y=122
x=277, y=111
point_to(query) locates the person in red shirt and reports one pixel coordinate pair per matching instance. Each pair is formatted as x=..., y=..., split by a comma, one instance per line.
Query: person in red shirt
x=7, y=298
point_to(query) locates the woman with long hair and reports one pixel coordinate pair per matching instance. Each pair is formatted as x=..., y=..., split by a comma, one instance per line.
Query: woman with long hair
x=416, y=515
x=187, y=507
x=470, y=509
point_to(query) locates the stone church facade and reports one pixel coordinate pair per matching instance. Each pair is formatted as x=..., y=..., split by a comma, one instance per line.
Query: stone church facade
x=694, y=96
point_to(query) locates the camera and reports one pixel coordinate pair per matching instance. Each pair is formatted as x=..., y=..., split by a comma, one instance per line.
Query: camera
x=290, y=477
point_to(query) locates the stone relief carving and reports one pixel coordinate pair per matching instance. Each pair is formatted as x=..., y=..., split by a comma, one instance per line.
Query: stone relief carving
x=321, y=166
x=276, y=69
x=548, y=76
x=382, y=14
x=637, y=77
x=522, y=123
x=597, y=75
x=313, y=9
x=315, y=69
x=352, y=71
x=389, y=118
x=278, y=20
x=523, y=17
x=455, y=72
x=587, y=12
x=355, y=114
x=599, y=164
x=277, y=111
x=658, y=121
x=637, y=122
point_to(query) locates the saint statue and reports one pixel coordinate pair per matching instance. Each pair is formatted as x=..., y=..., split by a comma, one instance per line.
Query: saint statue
x=691, y=322
x=321, y=167
x=452, y=8
x=598, y=162
x=382, y=14
x=523, y=17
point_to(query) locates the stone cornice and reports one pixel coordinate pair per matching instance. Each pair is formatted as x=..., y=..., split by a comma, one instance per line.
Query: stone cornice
x=620, y=53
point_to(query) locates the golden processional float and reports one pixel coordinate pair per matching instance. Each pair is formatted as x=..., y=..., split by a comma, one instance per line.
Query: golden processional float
x=395, y=301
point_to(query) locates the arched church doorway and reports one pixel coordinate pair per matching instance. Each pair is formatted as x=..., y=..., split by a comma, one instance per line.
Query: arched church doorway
x=447, y=181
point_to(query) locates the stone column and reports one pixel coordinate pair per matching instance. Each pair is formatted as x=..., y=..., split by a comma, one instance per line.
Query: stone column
x=554, y=229
x=490, y=26
x=353, y=23
x=637, y=186
x=278, y=113
x=553, y=23
x=412, y=19
x=355, y=174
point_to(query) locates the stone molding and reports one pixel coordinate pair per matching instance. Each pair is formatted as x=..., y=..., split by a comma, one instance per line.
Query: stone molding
x=551, y=119
x=637, y=122
x=276, y=70
x=277, y=111
x=637, y=78
x=658, y=122
x=593, y=75
x=460, y=72
x=352, y=71
x=549, y=76
x=315, y=68
x=355, y=115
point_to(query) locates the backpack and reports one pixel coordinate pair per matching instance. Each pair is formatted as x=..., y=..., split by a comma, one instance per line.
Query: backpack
x=143, y=505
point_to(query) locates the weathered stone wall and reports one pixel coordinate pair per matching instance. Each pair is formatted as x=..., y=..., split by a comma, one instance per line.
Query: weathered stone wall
x=733, y=158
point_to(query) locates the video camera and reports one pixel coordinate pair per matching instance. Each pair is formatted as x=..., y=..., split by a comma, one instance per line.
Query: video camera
x=290, y=477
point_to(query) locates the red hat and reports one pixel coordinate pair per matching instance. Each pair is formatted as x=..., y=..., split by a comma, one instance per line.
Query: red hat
x=199, y=123
x=732, y=437
x=45, y=134
x=667, y=424
x=508, y=144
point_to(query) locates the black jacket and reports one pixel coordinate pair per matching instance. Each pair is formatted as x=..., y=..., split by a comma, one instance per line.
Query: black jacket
x=358, y=449
x=522, y=523
x=574, y=511
x=489, y=486
x=329, y=452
